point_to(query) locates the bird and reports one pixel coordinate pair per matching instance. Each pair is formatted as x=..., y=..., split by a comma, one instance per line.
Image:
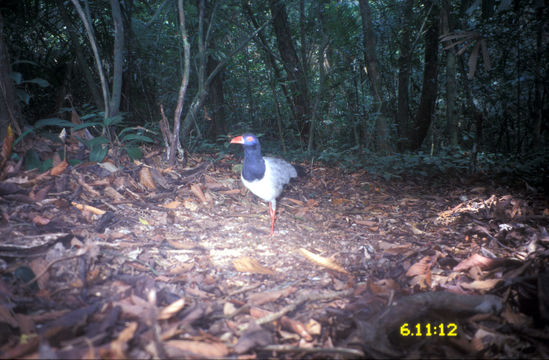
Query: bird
x=264, y=176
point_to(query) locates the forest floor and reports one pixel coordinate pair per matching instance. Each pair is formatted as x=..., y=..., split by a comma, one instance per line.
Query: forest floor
x=146, y=261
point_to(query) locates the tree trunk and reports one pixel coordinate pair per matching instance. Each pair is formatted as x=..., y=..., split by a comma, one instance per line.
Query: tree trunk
x=429, y=87
x=372, y=66
x=200, y=96
x=118, y=58
x=369, y=40
x=293, y=67
x=403, y=107
x=271, y=60
x=80, y=58
x=451, y=84
x=9, y=111
x=174, y=142
x=85, y=17
x=322, y=54
x=250, y=108
x=538, y=90
x=216, y=100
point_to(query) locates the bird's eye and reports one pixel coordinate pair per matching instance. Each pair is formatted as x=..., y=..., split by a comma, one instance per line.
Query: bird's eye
x=250, y=139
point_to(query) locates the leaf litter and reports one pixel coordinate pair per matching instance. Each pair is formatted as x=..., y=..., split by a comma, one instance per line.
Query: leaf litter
x=146, y=261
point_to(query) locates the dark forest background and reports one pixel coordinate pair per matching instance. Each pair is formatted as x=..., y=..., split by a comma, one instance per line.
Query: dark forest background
x=393, y=87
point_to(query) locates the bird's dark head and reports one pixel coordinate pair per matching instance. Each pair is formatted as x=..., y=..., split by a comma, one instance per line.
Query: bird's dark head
x=254, y=164
x=247, y=140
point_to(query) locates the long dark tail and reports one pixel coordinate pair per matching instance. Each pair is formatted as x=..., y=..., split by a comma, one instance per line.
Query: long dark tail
x=300, y=170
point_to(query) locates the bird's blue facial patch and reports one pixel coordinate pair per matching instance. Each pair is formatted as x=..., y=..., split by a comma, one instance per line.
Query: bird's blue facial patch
x=249, y=139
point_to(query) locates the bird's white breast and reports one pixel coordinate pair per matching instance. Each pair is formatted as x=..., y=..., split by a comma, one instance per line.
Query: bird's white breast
x=277, y=173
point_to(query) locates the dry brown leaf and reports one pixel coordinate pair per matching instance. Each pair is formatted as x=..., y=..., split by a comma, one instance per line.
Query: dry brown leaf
x=481, y=285
x=295, y=201
x=516, y=319
x=172, y=205
x=247, y=264
x=117, y=348
x=474, y=260
x=7, y=144
x=311, y=203
x=113, y=194
x=145, y=178
x=339, y=201
x=384, y=287
x=197, y=191
x=132, y=307
x=39, y=266
x=40, y=194
x=296, y=326
x=194, y=349
x=230, y=192
x=421, y=281
x=83, y=133
x=182, y=268
x=258, y=299
x=89, y=208
x=172, y=309
x=422, y=267
x=367, y=223
x=485, y=339
x=313, y=327
x=258, y=313
x=40, y=220
x=322, y=261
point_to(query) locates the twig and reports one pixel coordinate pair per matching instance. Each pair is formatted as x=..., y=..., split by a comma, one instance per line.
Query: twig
x=244, y=289
x=336, y=350
x=52, y=263
x=300, y=300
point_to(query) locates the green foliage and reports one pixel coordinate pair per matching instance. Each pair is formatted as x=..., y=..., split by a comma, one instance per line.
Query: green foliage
x=506, y=102
x=20, y=90
x=108, y=133
x=33, y=161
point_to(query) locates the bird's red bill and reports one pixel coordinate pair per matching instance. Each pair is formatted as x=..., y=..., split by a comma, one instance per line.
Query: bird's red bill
x=237, y=140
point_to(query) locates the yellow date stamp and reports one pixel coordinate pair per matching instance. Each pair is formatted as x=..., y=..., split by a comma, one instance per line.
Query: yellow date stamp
x=429, y=329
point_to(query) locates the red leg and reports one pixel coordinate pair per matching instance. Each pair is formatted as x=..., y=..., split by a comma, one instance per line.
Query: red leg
x=272, y=212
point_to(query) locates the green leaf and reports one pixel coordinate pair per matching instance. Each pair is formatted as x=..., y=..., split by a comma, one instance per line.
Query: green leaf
x=137, y=137
x=89, y=116
x=134, y=152
x=45, y=165
x=38, y=81
x=98, y=153
x=25, y=133
x=16, y=76
x=113, y=120
x=53, y=122
x=23, y=96
x=98, y=141
x=32, y=160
